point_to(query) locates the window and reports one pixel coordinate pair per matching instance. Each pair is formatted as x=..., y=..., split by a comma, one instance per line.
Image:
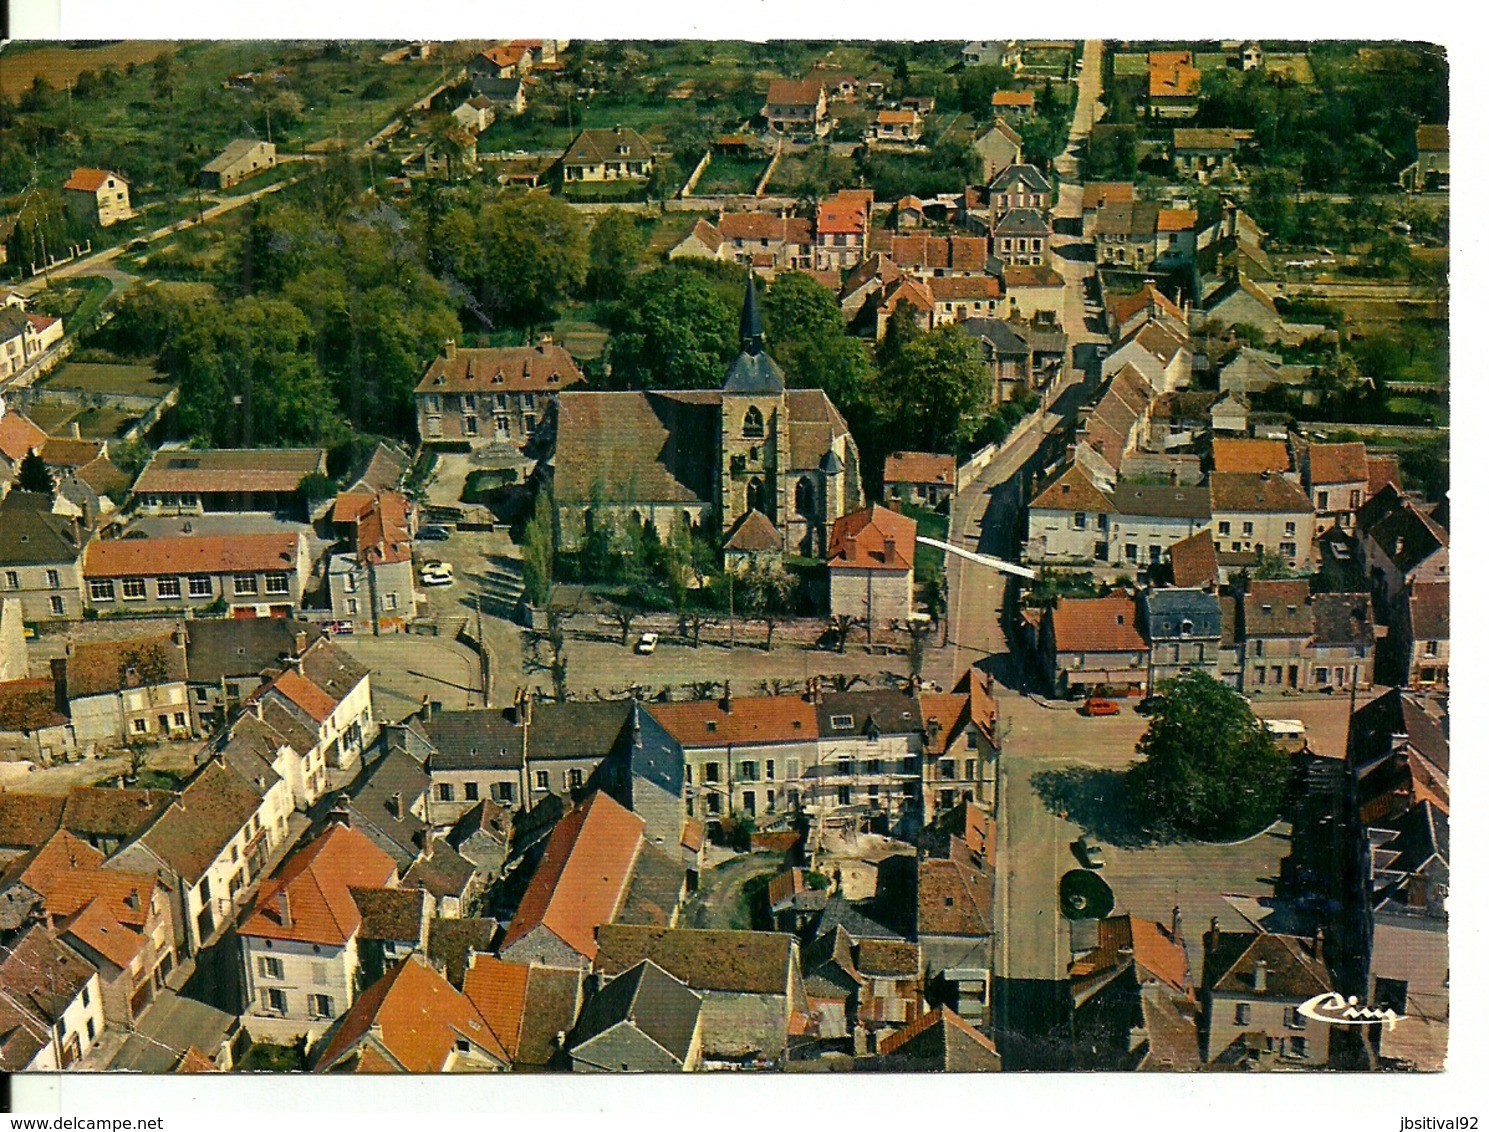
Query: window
x=1297, y=1047
x=270, y=968
x=167, y=587
x=446, y=791
x=352, y=606
x=389, y=947
x=748, y=771
x=503, y=791
x=86, y=997
x=245, y=584
x=101, y=589
x=275, y=1001
x=770, y=770
x=1288, y=550
x=1080, y=520
x=1289, y=528
x=1259, y=675
x=969, y=768
x=1224, y=527
x=1247, y=529
x=91, y=1028
x=320, y=1005
x=199, y=585
x=1320, y=675
x=1323, y=501
x=710, y=772
x=276, y=583
x=845, y=795
x=1354, y=498
x=749, y=801
x=54, y=580
x=1430, y=648
x=472, y=792
x=180, y=719
x=946, y=768
x=468, y=403
x=1243, y=1013
x=58, y=606
x=139, y=727
x=470, y=426
x=12, y=580
x=842, y=722
x=793, y=768
x=134, y=589
x=542, y=780
x=1293, y=1020
x=390, y=601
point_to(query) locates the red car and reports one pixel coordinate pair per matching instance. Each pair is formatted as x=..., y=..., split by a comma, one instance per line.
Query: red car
x=1099, y=707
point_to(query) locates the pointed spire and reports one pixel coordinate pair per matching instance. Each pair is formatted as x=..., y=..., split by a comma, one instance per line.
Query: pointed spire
x=751, y=328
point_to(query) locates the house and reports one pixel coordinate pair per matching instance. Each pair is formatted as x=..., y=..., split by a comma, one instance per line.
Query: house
x=1173, y=84
x=33, y=725
x=24, y=337
x=927, y=256
x=330, y=694
x=1338, y=478
x=940, y=1041
x=1245, y=455
x=1406, y=908
x=1035, y=292
x=751, y=984
x=242, y=159
x=1087, y=645
x=1194, y=563
x=871, y=565
x=1021, y=237
x=251, y=574
x=927, y=479
x=412, y=1021
x=372, y=585
x=843, y=229
x=642, y=1021
x=496, y=393
x=443, y=874
x=990, y=53
x=902, y=127
x=117, y=921
x=495, y=64
x=1131, y=1000
x=1013, y=104
x=103, y=817
x=1238, y=301
x=1174, y=237
x=39, y=552
x=1096, y=196
x=201, y=481
x=522, y=755
x=211, y=845
x=1423, y=634
x=299, y=942
x=97, y=195
x=1429, y=172
x=1119, y=423
x=1207, y=153
x=765, y=241
x=796, y=105
x=1231, y=246
x=1018, y=186
x=226, y=661
x=1125, y=232
x=954, y=927
x=1022, y=356
x=126, y=691
x=619, y=154
x=394, y=922
x=999, y=146
x=19, y=435
x=1398, y=756
x=1253, y=985
x=1147, y=520
x=1069, y=520
x=959, y=298
x=707, y=457
x=1401, y=543
x=531, y=1010
x=1257, y=514
x=51, y=1004
x=580, y=883
x=1183, y=631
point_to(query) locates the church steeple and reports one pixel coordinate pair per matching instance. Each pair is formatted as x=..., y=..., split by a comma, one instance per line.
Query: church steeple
x=751, y=327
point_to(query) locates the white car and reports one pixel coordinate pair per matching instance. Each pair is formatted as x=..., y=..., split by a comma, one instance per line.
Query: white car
x=436, y=574
x=646, y=644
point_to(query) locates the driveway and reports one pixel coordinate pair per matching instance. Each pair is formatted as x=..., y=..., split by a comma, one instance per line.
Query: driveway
x=720, y=900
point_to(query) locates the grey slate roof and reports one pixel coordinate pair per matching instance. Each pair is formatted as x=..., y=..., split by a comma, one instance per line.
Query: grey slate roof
x=648, y=998
x=1343, y=619
x=30, y=535
x=892, y=713
x=1026, y=173
x=1167, y=611
x=492, y=737
x=373, y=811
x=1022, y=222
x=1161, y=501
x=754, y=373
x=218, y=649
x=443, y=873
x=853, y=920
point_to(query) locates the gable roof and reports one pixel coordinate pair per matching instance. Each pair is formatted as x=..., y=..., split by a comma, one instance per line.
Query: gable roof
x=440, y=871
x=1337, y=463
x=1007, y=99
x=1194, y=561
x=594, y=147
x=90, y=180
x=874, y=538
x=1172, y=74
x=1167, y=611
x=741, y=962
x=1406, y=534
x=1026, y=174
x=99, y=667
x=389, y=913
x=1292, y=970
x=30, y=535
x=743, y=720
x=941, y=1041
x=1432, y=139
x=953, y=898
x=218, y=649
x=317, y=883
x=1249, y=455
x=40, y=976
x=1072, y=491
x=412, y=1019
x=1278, y=609
x=651, y=1000
x=793, y=92
x=206, y=554
x=1098, y=624
x=1161, y=500
x=19, y=435
x=581, y=877
x=1428, y=610
x=545, y=368
x=920, y=468
x=199, y=470
x=1244, y=492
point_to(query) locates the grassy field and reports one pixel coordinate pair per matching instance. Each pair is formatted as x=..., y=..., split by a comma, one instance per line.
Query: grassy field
x=22, y=63
x=928, y=559
x=730, y=174
x=106, y=380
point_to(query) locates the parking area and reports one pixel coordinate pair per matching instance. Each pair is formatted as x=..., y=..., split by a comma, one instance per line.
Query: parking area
x=407, y=668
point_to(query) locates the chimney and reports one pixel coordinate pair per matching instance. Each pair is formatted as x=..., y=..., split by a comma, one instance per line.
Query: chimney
x=1212, y=937
x=889, y=550
x=302, y=642
x=425, y=711
x=283, y=909
x=133, y=899
x=1400, y=545
x=1259, y=977
x=75, y=431
x=1318, y=935
x=727, y=703
x=398, y=809
x=1176, y=923
x=449, y=350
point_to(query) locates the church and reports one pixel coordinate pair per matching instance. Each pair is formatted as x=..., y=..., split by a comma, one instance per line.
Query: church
x=763, y=466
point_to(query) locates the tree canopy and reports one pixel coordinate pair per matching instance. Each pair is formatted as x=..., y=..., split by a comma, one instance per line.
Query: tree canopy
x=675, y=328
x=1209, y=768
x=932, y=391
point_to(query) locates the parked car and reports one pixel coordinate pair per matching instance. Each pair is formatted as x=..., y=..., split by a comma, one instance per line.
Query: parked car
x=1089, y=853
x=1094, y=706
x=646, y=644
x=433, y=532
x=436, y=574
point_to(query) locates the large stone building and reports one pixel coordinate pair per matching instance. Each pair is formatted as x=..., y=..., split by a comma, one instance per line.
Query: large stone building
x=471, y=395
x=708, y=457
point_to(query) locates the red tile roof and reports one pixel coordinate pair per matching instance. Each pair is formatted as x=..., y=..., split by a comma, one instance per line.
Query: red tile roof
x=277, y=470
x=582, y=876
x=1100, y=624
x=1194, y=561
x=793, y=92
x=1172, y=74
x=1004, y=99
x=1244, y=492
x=1383, y=470
x=750, y=719
x=1073, y=491
x=310, y=699
x=89, y=180
x=1098, y=194
x=19, y=435
x=318, y=881
x=416, y=1018
x=507, y=369
x=1177, y=219
x=499, y=992
x=212, y=554
x=875, y=538
x=963, y=288
x=920, y=468
x=1338, y=463
x=1232, y=455
x=98, y=667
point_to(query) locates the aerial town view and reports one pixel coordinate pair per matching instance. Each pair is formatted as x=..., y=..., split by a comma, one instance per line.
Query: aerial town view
x=678, y=556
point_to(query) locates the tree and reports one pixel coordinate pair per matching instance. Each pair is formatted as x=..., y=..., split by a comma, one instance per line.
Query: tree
x=166, y=78
x=615, y=247
x=804, y=329
x=975, y=87
x=1209, y=769
x=34, y=476
x=537, y=550
x=933, y=396
x=674, y=329
x=768, y=590
x=536, y=254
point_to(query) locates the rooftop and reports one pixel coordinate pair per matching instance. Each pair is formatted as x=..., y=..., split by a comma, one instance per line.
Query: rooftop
x=204, y=470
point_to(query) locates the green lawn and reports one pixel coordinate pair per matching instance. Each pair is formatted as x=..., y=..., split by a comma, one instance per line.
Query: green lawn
x=727, y=173
x=932, y=524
